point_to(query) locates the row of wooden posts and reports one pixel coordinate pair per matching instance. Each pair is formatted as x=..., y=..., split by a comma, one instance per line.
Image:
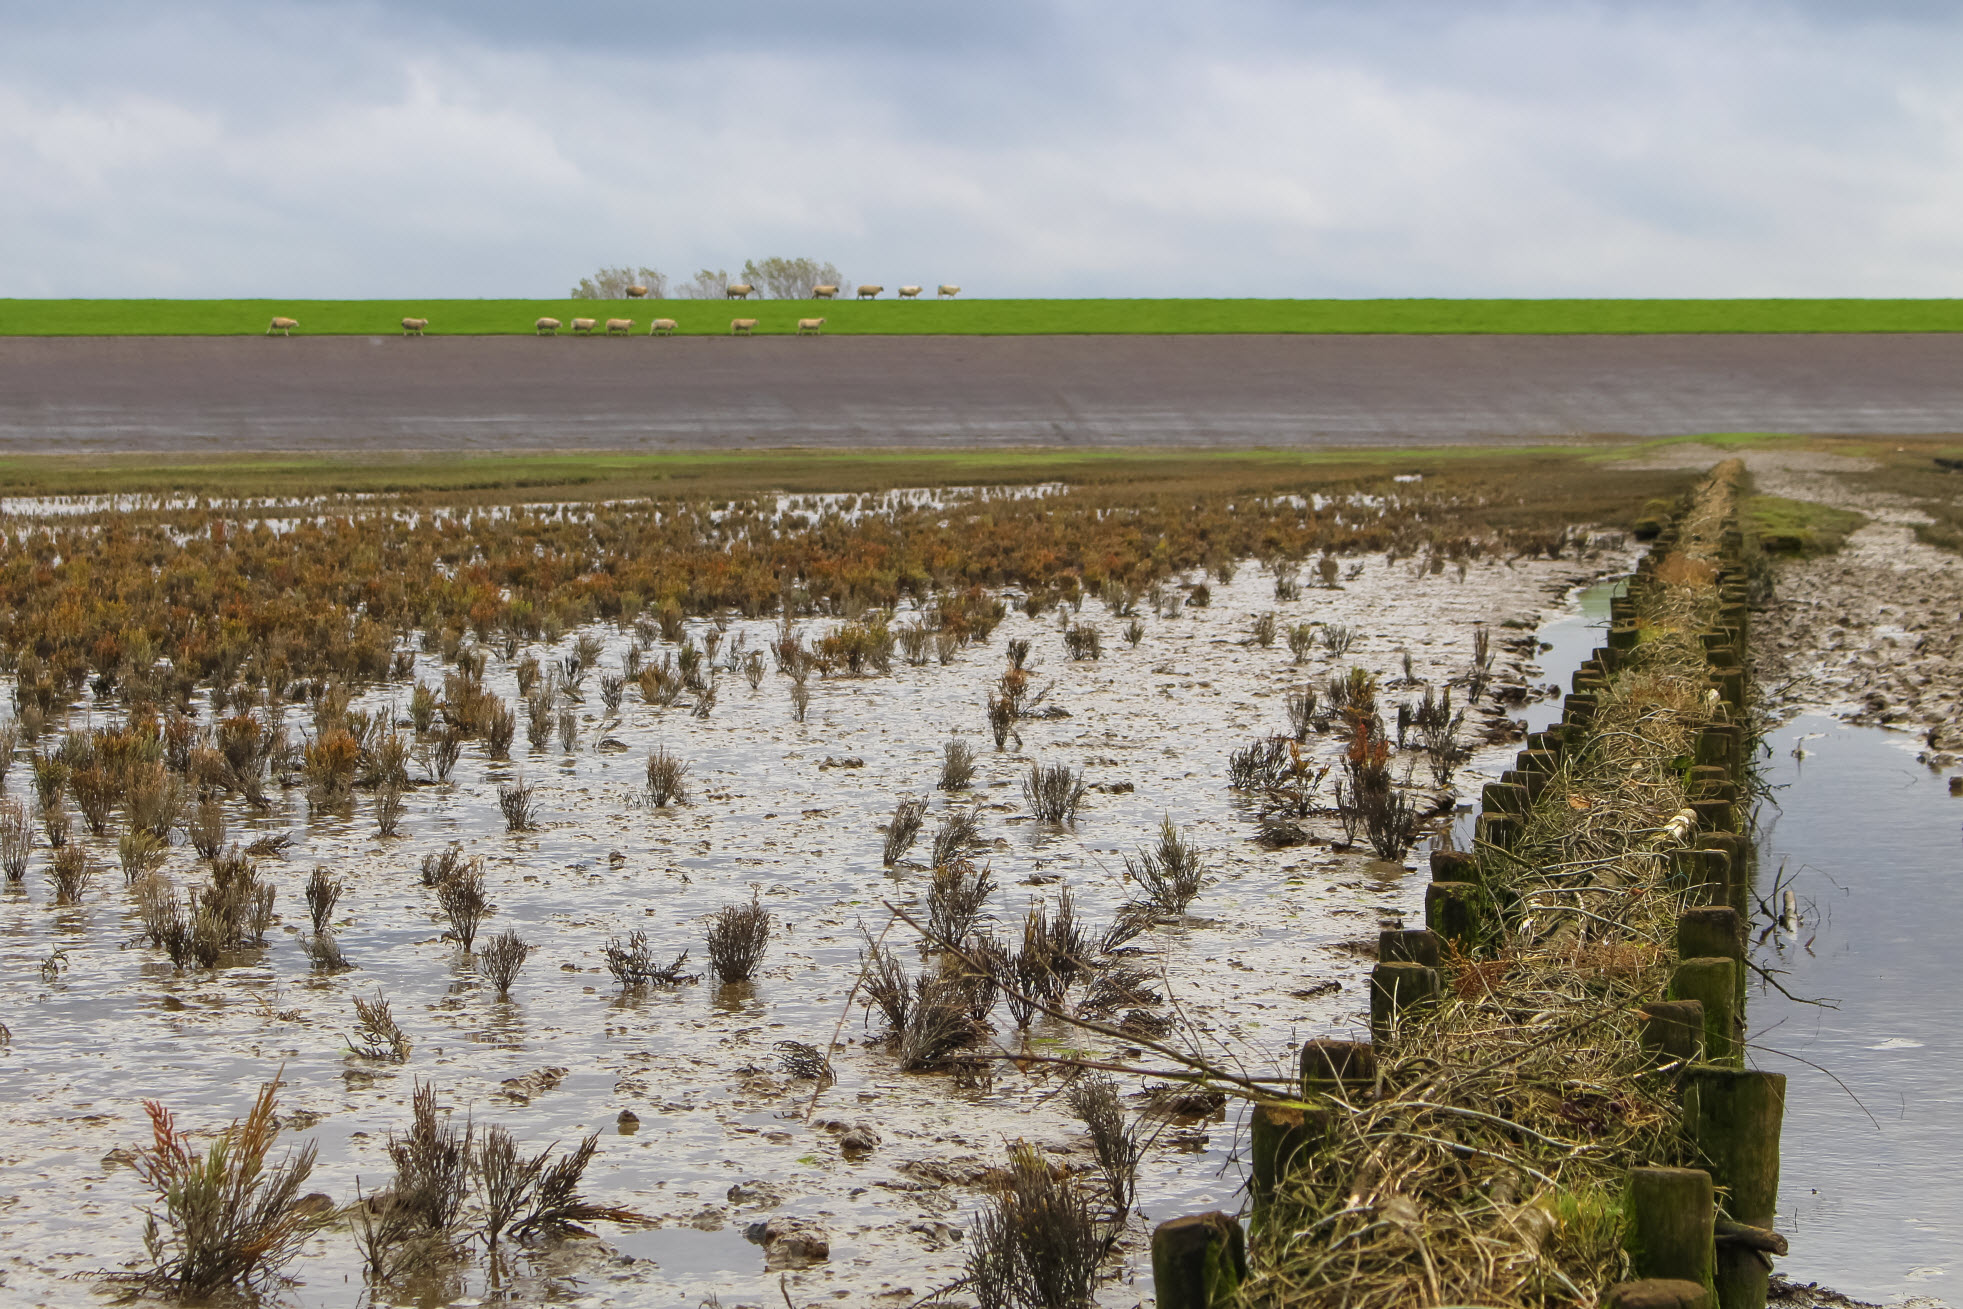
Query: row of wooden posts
x=1698, y=1238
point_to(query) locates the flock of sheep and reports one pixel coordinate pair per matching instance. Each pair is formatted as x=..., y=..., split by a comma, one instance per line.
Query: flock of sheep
x=666, y=326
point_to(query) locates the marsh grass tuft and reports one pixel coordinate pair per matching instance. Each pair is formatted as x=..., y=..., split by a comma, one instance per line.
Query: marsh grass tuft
x=69, y=873
x=955, y=900
x=905, y=824
x=667, y=775
x=500, y=960
x=1171, y=873
x=633, y=964
x=1083, y=641
x=957, y=766
x=959, y=832
x=1115, y=1138
x=1264, y=630
x=463, y=901
x=739, y=934
x=323, y=893
x=16, y=840
x=224, y=1219
x=518, y=801
x=1053, y=791
x=376, y=1035
x=1039, y=1241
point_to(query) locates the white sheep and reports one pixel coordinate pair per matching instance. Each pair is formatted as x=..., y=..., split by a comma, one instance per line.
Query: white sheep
x=414, y=326
x=636, y=291
x=583, y=324
x=619, y=326
x=948, y=291
x=546, y=326
x=742, y=326
x=825, y=292
x=909, y=292
x=810, y=326
x=662, y=327
x=284, y=326
x=870, y=292
x=738, y=290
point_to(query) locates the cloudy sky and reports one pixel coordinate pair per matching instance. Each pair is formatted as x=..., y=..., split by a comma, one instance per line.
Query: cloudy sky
x=1018, y=147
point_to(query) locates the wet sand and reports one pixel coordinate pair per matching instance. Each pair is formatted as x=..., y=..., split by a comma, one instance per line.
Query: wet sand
x=365, y=394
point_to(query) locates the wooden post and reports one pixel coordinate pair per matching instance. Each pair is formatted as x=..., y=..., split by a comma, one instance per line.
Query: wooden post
x=1455, y=866
x=1671, y=1213
x=1410, y=945
x=1674, y=1030
x=1504, y=798
x=1733, y=1117
x=1713, y=983
x=1199, y=1261
x=1341, y=1068
x=1396, y=989
x=1715, y=931
x=1454, y=910
x=1281, y=1138
x=1502, y=830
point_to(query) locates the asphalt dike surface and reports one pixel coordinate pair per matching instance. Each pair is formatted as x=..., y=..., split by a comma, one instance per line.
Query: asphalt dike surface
x=210, y=394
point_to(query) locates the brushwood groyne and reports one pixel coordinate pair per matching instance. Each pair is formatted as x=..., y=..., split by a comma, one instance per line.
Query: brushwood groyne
x=1553, y=1105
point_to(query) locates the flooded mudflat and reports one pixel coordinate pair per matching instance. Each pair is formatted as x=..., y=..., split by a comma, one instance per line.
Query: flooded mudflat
x=1870, y=842
x=721, y=1135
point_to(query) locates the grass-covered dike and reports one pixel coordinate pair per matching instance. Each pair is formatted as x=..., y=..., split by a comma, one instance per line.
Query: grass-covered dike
x=984, y=317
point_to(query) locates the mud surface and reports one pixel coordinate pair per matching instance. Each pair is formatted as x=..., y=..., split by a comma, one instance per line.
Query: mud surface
x=1273, y=951
x=387, y=393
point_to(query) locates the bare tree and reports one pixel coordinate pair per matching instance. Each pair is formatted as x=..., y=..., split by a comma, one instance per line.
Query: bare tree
x=708, y=284
x=612, y=284
x=789, y=279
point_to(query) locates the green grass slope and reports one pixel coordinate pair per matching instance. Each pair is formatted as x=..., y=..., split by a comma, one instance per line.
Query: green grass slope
x=889, y=317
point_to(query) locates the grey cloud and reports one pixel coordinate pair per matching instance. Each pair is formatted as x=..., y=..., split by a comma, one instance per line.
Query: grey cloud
x=1039, y=147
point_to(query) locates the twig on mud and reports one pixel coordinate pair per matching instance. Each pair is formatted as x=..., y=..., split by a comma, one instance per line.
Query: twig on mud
x=844, y=1013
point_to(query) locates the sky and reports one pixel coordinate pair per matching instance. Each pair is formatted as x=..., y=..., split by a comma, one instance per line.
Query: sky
x=459, y=148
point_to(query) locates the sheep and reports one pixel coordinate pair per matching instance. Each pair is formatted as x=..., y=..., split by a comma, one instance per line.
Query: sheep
x=825, y=292
x=742, y=326
x=636, y=291
x=909, y=292
x=810, y=326
x=284, y=326
x=948, y=291
x=870, y=292
x=582, y=324
x=414, y=326
x=619, y=326
x=662, y=327
x=546, y=326
x=738, y=290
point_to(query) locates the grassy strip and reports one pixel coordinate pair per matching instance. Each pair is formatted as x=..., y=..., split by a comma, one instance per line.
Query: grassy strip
x=1798, y=526
x=990, y=317
x=1505, y=473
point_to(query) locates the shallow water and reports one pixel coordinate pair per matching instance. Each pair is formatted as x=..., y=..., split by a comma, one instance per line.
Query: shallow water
x=770, y=810
x=1870, y=1193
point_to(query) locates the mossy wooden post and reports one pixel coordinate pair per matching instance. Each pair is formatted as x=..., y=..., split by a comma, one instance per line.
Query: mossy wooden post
x=1199, y=1261
x=1673, y=1030
x=1715, y=931
x=1408, y=945
x=1711, y=982
x=1455, y=911
x=1500, y=830
x=1671, y=1214
x=1455, y=866
x=1281, y=1138
x=1344, y=1069
x=1395, y=989
x=1733, y=1116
